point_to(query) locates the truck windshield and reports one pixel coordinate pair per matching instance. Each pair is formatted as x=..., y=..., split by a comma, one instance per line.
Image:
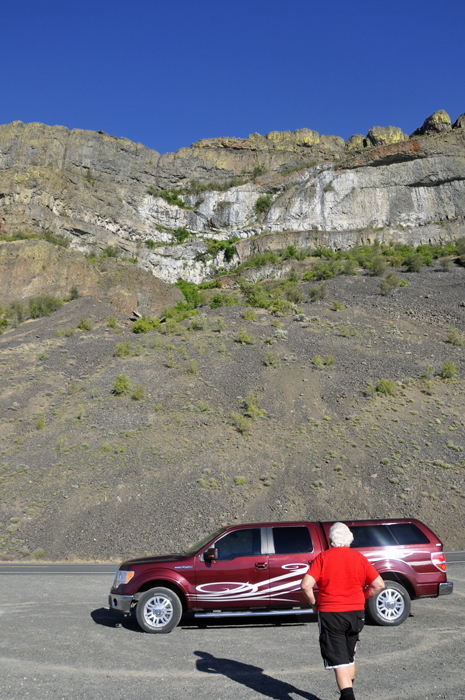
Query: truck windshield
x=201, y=543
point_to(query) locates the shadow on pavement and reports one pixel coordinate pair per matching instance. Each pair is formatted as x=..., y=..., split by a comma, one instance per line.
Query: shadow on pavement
x=250, y=676
x=108, y=618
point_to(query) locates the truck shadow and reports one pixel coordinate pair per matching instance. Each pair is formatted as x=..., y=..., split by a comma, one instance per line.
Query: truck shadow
x=250, y=676
x=108, y=618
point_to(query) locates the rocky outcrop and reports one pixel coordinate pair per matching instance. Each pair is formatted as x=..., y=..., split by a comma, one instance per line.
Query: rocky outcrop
x=435, y=124
x=32, y=268
x=98, y=190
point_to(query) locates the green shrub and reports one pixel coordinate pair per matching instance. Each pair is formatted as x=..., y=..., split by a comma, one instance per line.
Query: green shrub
x=245, y=339
x=111, y=322
x=74, y=293
x=149, y=243
x=249, y=315
x=216, y=301
x=122, y=385
x=193, y=367
x=41, y=422
x=252, y=409
x=263, y=204
x=318, y=362
x=69, y=332
x=142, y=325
x=448, y=370
x=139, y=393
x=111, y=251
x=337, y=306
x=122, y=349
x=446, y=263
x=329, y=360
x=414, y=262
x=43, y=305
x=272, y=360
x=190, y=291
x=318, y=292
x=454, y=337
x=198, y=323
x=388, y=387
x=239, y=480
x=377, y=266
x=181, y=234
x=241, y=423
x=55, y=238
x=389, y=284
x=84, y=324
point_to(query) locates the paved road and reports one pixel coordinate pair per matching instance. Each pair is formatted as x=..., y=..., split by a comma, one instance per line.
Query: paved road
x=35, y=568
x=57, y=641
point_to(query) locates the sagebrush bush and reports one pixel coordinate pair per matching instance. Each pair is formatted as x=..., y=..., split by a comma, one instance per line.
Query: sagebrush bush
x=84, y=324
x=388, y=387
x=122, y=349
x=122, y=385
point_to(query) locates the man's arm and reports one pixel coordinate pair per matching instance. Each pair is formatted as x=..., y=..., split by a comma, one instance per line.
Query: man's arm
x=307, y=589
x=374, y=588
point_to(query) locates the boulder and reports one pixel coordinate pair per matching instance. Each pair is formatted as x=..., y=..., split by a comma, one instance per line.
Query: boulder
x=355, y=143
x=436, y=123
x=384, y=135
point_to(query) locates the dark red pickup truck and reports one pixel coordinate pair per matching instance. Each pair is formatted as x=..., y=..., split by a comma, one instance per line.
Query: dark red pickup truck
x=256, y=569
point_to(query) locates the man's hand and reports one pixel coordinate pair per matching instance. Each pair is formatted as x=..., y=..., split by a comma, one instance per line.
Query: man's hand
x=374, y=588
x=307, y=589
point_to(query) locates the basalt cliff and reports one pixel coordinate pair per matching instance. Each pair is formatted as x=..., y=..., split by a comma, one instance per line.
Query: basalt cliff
x=264, y=192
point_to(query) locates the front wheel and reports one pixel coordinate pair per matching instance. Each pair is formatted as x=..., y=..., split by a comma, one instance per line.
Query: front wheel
x=158, y=611
x=391, y=607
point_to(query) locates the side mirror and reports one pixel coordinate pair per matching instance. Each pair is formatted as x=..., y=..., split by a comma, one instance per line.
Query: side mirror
x=210, y=554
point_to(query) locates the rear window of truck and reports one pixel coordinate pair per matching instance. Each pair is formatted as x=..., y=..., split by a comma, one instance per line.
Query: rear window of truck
x=387, y=535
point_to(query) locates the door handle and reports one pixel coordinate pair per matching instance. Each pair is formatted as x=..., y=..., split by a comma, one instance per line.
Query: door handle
x=260, y=566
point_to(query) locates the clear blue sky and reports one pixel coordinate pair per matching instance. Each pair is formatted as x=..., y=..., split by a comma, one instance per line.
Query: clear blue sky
x=167, y=73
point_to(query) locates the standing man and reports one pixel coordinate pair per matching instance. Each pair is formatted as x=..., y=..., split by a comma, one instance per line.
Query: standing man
x=345, y=578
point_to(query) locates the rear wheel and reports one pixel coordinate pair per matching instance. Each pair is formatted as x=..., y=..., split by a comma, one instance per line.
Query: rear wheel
x=158, y=611
x=391, y=607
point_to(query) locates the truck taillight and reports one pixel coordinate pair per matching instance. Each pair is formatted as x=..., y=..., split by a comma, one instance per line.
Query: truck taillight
x=439, y=560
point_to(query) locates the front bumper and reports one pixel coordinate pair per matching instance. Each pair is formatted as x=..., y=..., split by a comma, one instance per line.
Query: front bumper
x=445, y=588
x=121, y=603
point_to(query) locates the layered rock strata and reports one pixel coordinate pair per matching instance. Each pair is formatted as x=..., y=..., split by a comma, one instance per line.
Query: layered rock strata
x=100, y=191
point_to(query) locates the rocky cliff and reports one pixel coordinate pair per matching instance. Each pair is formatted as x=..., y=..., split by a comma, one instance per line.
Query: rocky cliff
x=99, y=190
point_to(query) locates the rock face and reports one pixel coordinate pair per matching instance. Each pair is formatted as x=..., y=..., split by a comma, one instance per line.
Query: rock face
x=99, y=190
x=31, y=268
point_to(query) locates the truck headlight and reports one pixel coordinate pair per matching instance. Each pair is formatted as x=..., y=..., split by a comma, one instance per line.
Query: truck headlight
x=122, y=577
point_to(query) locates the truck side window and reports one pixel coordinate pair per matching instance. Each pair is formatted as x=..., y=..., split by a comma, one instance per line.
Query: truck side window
x=372, y=536
x=240, y=543
x=292, y=540
x=408, y=533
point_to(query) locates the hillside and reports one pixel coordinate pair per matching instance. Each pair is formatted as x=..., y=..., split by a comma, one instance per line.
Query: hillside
x=262, y=328
x=235, y=413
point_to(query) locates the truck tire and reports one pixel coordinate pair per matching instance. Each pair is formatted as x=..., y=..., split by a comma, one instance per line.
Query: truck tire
x=391, y=607
x=158, y=611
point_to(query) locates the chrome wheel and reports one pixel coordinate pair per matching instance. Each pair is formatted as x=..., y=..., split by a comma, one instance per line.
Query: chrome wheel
x=158, y=611
x=390, y=604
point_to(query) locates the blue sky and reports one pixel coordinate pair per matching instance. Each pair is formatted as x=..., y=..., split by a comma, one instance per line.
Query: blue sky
x=167, y=73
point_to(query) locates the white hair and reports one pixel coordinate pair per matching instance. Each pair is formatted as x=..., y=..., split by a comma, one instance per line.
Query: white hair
x=340, y=535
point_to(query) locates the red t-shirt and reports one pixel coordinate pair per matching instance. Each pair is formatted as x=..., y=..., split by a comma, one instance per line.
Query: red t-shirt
x=341, y=575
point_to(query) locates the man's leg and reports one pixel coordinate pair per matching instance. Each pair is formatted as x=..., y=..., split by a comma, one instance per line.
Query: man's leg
x=344, y=677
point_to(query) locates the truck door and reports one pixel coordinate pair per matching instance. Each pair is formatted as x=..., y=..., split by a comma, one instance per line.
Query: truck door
x=238, y=577
x=291, y=551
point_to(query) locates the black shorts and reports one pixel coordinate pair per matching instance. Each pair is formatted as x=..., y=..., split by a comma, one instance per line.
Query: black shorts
x=339, y=636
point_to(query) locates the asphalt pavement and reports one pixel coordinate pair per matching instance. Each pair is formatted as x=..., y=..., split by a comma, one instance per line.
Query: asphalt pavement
x=58, y=641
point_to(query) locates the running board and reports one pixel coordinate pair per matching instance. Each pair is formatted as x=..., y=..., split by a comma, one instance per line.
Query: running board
x=258, y=613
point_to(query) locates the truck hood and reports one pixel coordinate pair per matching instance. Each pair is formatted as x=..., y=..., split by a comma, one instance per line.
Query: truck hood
x=164, y=559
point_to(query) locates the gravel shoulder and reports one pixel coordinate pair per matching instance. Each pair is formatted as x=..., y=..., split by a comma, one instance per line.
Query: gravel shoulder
x=58, y=642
